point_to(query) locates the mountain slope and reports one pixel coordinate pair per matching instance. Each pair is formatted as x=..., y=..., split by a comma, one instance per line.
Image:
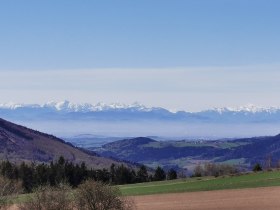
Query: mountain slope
x=257, y=149
x=146, y=149
x=18, y=143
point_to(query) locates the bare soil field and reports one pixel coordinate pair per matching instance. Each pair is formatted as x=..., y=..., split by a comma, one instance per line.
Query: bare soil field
x=266, y=198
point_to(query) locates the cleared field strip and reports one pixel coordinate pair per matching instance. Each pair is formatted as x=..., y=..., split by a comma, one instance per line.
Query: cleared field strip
x=252, y=180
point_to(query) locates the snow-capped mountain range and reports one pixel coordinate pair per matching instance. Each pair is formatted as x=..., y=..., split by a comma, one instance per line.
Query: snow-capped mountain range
x=66, y=106
x=66, y=118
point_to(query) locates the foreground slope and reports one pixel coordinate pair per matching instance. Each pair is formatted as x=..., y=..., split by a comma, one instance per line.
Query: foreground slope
x=18, y=143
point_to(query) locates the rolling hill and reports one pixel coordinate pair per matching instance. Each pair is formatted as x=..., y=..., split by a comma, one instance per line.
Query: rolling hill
x=186, y=154
x=18, y=143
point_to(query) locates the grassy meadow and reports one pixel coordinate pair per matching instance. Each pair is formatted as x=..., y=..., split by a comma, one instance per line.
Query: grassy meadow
x=252, y=180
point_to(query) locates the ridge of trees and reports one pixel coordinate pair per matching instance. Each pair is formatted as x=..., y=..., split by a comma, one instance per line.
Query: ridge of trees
x=34, y=175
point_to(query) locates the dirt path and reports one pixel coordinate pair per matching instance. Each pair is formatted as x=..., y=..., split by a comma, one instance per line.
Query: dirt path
x=267, y=198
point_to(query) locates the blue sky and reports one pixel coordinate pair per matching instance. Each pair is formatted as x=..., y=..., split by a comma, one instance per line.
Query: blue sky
x=124, y=51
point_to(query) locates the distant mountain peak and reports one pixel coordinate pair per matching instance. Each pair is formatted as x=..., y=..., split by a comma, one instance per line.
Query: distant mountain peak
x=247, y=108
x=12, y=105
x=68, y=106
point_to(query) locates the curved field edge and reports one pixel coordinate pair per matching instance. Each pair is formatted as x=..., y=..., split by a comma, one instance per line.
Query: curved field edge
x=252, y=180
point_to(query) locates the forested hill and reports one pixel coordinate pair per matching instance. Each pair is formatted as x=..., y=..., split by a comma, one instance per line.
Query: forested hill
x=18, y=143
x=185, y=154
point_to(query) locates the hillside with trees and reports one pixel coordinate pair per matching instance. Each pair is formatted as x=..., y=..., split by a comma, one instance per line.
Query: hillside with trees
x=184, y=154
x=18, y=144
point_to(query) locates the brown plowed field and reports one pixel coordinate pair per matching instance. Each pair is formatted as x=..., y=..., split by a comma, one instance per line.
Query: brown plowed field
x=267, y=198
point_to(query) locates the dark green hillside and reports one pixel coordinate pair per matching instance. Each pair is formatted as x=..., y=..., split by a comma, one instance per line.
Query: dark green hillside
x=186, y=154
x=138, y=151
x=258, y=150
x=129, y=143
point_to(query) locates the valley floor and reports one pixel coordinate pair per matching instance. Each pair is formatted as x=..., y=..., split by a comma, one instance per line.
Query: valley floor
x=240, y=199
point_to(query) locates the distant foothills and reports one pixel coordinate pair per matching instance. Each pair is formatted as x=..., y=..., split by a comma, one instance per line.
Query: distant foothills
x=186, y=155
x=120, y=120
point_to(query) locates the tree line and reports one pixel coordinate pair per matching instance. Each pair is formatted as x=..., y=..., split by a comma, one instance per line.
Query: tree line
x=33, y=175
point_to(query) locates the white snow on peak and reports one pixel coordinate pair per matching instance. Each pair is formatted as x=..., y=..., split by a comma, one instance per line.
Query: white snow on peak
x=12, y=105
x=248, y=108
x=86, y=107
x=67, y=106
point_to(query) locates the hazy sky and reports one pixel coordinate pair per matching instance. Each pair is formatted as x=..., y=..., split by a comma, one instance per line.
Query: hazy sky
x=183, y=54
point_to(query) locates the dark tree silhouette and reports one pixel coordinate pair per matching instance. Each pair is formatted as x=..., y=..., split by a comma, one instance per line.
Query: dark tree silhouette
x=159, y=174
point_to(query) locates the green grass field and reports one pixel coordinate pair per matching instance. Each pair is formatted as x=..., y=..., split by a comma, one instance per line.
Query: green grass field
x=252, y=180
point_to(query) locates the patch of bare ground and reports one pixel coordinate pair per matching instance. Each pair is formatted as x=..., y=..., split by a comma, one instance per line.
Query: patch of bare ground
x=255, y=198
x=13, y=207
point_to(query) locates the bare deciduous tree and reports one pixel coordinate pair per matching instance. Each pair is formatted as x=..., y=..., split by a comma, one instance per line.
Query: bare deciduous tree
x=268, y=162
x=8, y=189
x=198, y=171
x=93, y=195
x=213, y=169
x=50, y=198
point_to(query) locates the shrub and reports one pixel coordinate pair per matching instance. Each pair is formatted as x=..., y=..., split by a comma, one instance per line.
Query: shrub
x=8, y=189
x=257, y=167
x=171, y=174
x=213, y=169
x=93, y=195
x=198, y=171
x=50, y=198
x=159, y=174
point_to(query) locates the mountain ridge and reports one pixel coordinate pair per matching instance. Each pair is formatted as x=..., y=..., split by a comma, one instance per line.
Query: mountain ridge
x=100, y=106
x=69, y=119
